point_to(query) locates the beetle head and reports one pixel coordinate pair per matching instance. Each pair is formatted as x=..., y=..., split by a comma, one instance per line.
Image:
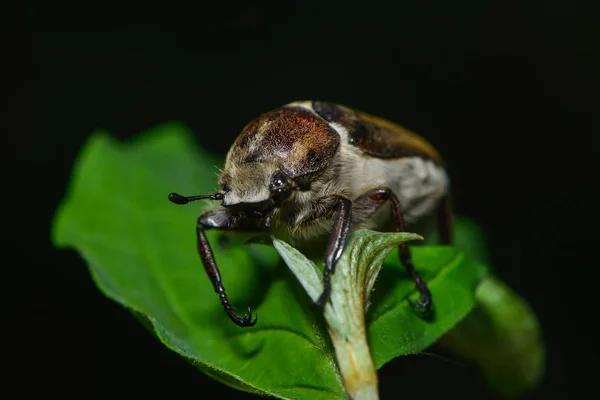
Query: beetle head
x=259, y=186
x=274, y=155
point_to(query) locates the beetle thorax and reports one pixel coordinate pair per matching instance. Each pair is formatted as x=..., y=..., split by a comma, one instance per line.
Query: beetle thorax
x=291, y=141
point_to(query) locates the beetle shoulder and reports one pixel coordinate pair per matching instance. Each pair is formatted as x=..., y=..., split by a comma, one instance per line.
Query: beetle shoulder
x=375, y=136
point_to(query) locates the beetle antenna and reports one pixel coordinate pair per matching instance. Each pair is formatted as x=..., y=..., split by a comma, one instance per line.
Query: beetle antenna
x=179, y=199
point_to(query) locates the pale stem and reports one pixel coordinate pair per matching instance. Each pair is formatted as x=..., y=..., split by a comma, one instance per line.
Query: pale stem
x=352, y=284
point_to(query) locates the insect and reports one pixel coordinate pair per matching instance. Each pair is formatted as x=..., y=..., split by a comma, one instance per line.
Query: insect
x=313, y=169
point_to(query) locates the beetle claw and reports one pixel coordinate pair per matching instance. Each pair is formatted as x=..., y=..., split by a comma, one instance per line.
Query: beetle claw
x=245, y=321
x=424, y=303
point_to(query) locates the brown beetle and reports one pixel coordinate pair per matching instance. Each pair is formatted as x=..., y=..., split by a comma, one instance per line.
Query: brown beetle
x=314, y=169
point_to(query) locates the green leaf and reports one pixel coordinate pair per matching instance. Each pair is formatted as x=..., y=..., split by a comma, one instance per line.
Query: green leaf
x=141, y=252
x=502, y=336
x=394, y=328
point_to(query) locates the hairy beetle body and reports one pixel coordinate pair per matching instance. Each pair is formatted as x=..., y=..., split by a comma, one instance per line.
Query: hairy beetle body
x=323, y=151
x=312, y=169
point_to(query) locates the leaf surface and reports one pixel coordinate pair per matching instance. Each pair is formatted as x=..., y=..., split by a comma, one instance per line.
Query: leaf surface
x=141, y=252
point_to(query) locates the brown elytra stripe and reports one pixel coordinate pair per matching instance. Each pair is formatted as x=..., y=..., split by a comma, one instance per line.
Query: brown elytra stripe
x=376, y=136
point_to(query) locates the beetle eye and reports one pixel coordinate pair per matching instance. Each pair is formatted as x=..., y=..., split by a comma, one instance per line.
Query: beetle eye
x=280, y=187
x=278, y=195
x=278, y=180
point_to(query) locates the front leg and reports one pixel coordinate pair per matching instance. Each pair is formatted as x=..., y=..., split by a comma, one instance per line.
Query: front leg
x=337, y=239
x=224, y=219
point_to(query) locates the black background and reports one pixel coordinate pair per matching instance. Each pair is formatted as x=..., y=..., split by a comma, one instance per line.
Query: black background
x=506, y=90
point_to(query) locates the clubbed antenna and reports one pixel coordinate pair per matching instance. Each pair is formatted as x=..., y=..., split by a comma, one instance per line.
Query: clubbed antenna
x=179, y=199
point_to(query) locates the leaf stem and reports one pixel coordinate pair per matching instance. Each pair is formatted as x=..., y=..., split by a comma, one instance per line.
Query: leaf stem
x=351, y=286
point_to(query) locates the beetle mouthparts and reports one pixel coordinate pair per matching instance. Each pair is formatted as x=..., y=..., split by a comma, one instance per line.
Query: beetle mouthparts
x=256, y=207
x=179, y=199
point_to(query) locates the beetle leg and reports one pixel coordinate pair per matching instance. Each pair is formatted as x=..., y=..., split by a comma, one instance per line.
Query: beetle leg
x=381, y=195
x=337, y=239
x=220, y=219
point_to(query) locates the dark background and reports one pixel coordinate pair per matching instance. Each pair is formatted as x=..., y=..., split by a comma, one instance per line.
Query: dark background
x=507, y=91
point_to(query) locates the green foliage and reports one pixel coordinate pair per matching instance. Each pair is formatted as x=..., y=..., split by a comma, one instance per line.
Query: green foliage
x=141, y=253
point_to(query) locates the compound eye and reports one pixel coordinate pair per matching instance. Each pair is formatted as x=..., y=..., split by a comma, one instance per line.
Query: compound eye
x=279, y=195
x=278, y=180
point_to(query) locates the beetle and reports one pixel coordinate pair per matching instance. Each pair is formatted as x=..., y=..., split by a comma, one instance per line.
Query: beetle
x=318, y=170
